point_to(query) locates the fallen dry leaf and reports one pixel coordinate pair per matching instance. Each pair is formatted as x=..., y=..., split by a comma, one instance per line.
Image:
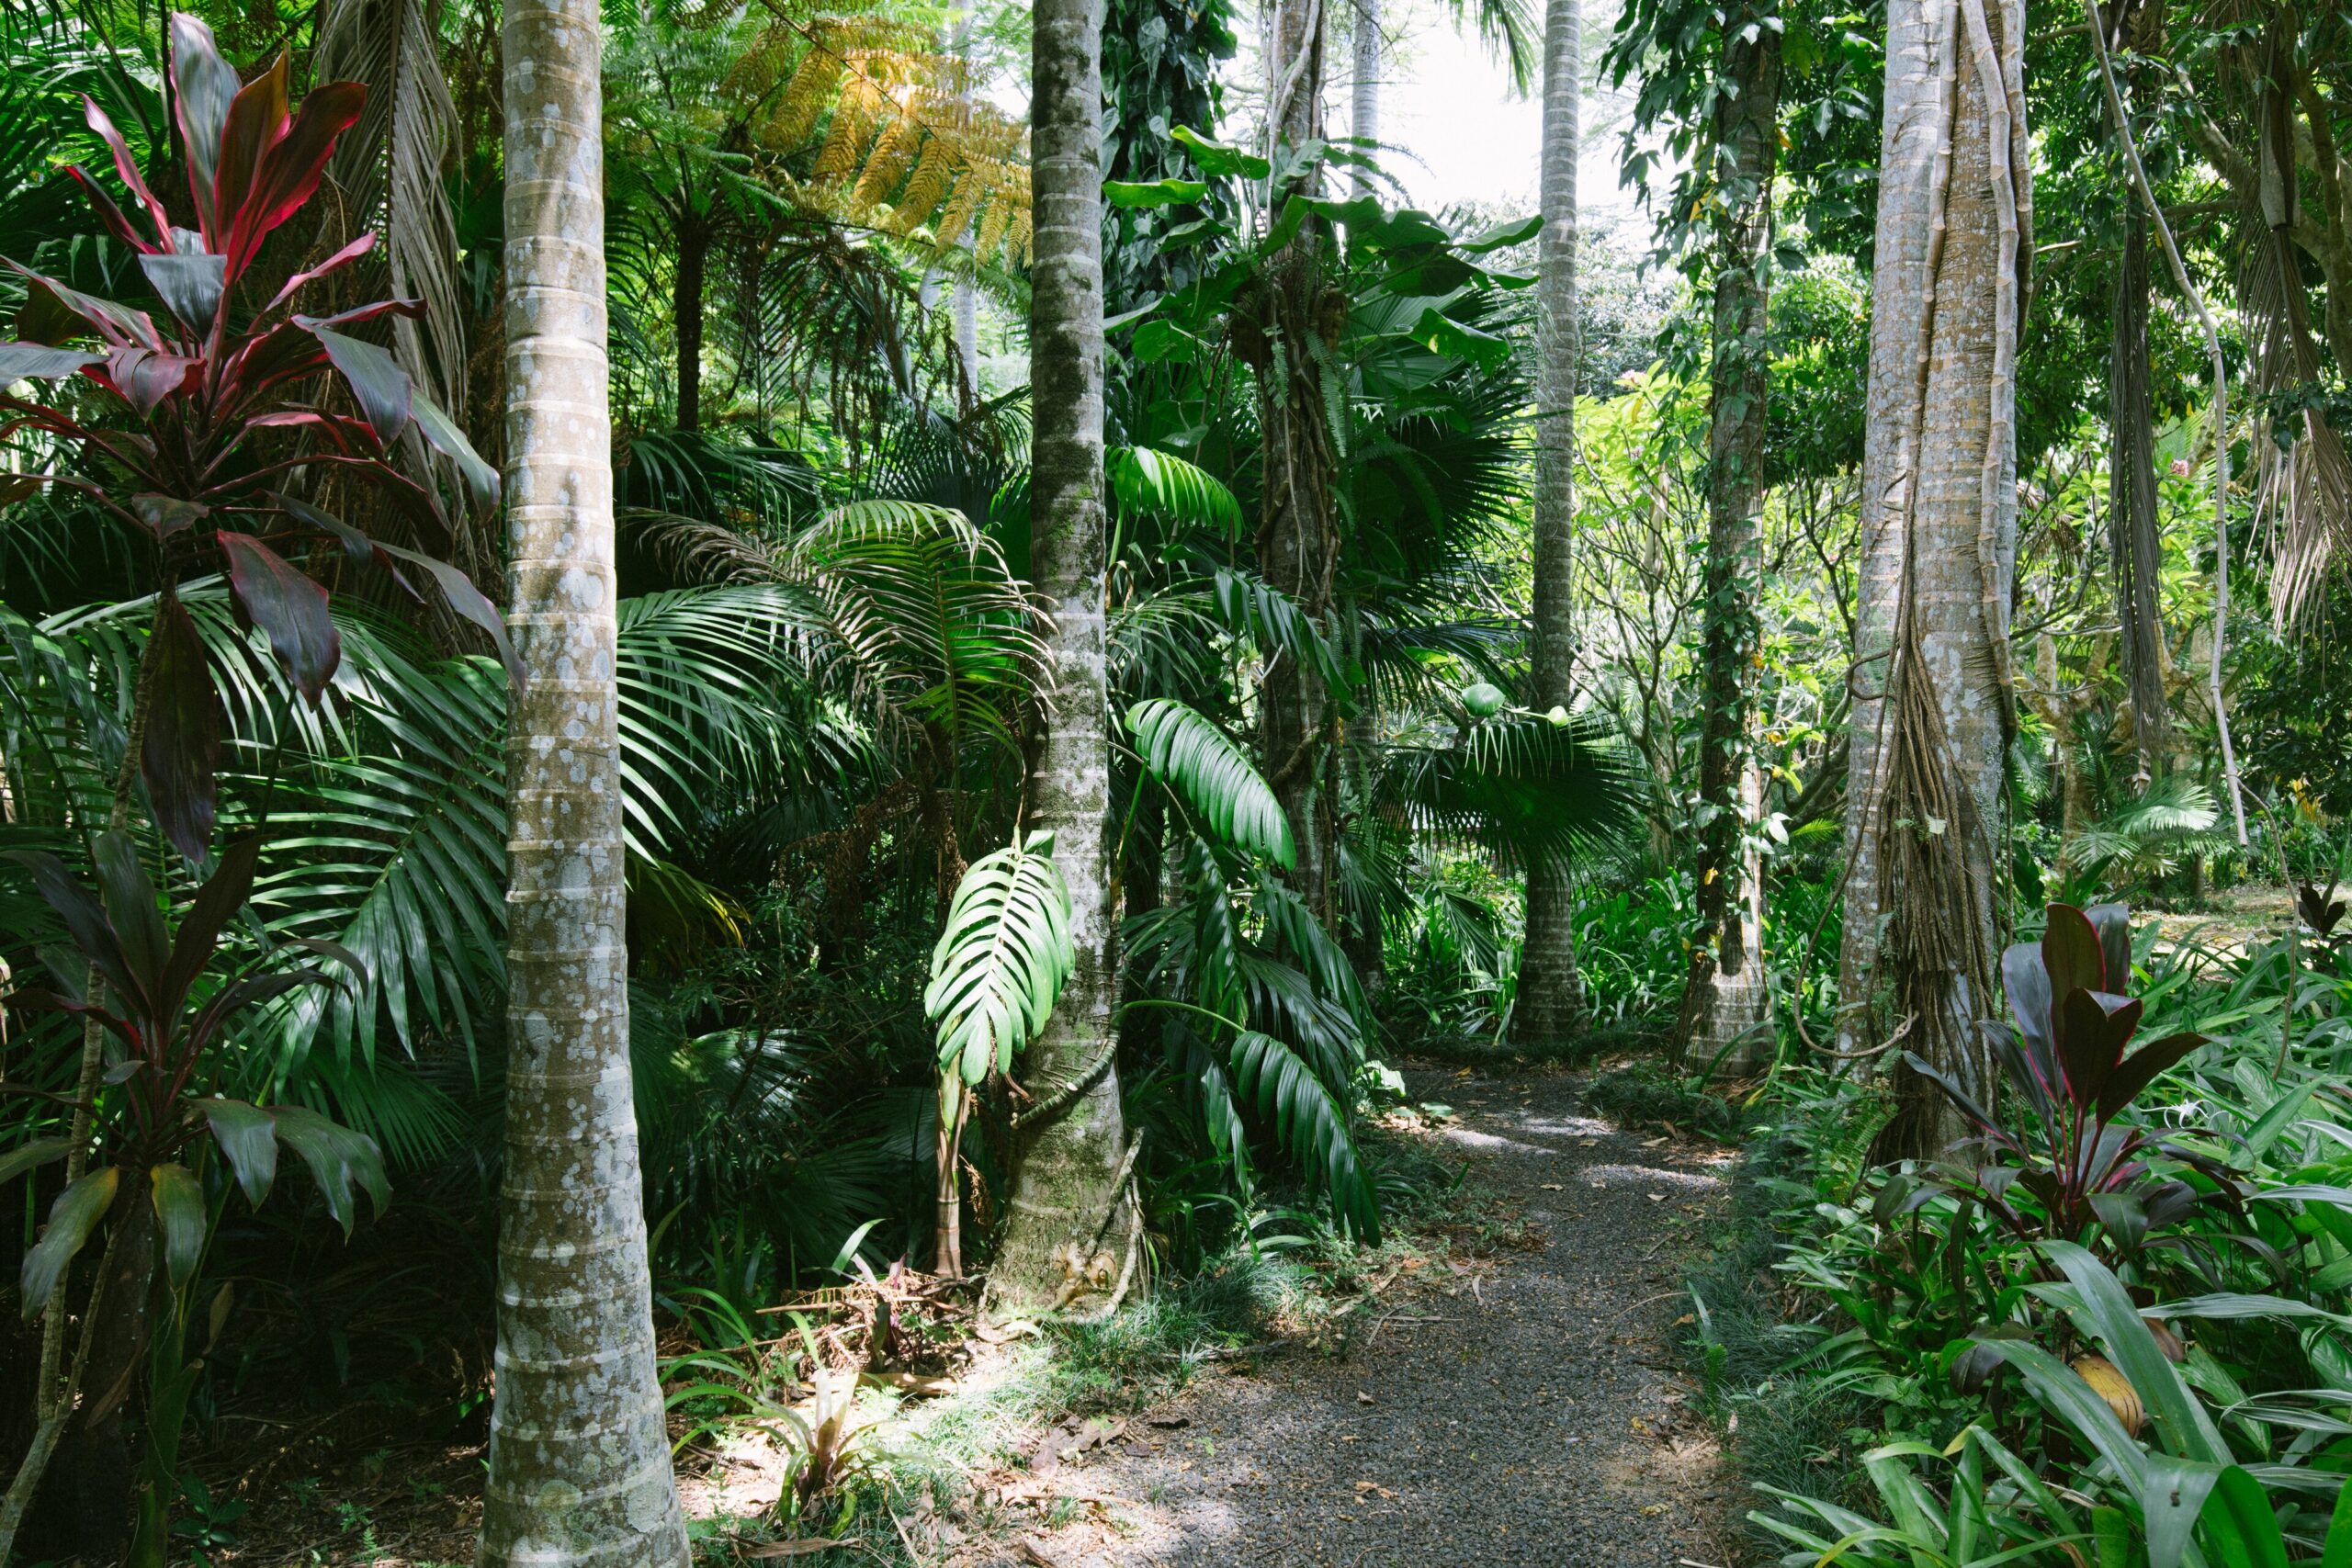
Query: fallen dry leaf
x=1374, y=1489
x=1029, y=1554
x=1362, y=1398
x=1552, y=1187
x=790, y=1548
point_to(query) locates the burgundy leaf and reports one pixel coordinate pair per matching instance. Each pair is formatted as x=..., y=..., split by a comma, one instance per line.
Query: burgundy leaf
x=466, y=599
x=181, y=753
x=341, y=258
x=357, y=547
x=2070, y=951
x=128, y=895
x=84, y=917
x=2093, y=1029
x=53, y=308
x=290, y=608
x=377, y=379
x=335, y=427
x=2113, y=923
x=289, y=170
x=168, y=514
x=482, y=479
x=127, y=167
x=2028, y=982
x=208, y=913
x=109, y=213
x=191, y=286
x=2140, y=1069
x=257, y=122
x=205, y=86
x=145, y=377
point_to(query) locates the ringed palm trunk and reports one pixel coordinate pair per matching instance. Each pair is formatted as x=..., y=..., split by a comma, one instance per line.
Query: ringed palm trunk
x=1726, y=1004
x=579, y=1459
x=1550, y=1003
x=1297, y=539
x=1067, y=1232
x=1363, y=96
x=1932, y=683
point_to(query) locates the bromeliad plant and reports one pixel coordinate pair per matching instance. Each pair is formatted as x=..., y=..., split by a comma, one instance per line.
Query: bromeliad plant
x=215, y=417
x=164, y=1014
x=2079, y=1161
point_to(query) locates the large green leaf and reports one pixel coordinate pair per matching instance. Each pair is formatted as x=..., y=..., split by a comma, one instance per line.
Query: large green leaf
x=1001, y=963
x=1190, y=753
x=248, y=1138
x=72, y=1218
x=339, y=1159
x=180, y=1220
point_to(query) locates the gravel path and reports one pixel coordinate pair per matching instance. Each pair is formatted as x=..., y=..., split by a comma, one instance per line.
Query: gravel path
x=1524, y=1411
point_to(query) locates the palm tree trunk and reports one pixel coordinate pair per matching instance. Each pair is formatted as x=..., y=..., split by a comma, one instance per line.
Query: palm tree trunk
x=1297, y=541
x=578, y=1459
x=2134, y=546
x=1726, y=1004
x=686, y=289
x=1933, y=687
x=1551, y=993
x=1363, y=96
x=1067, y=1197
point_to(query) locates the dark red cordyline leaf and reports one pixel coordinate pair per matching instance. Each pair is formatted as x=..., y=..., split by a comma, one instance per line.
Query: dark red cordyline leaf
x=2071, y=952
x=181, y=753
x=289, y=170
x=204, y=86
x=126, y=167
x=20, y=361
x=168, y=514
x=257, y=122
x=109, y=213
x=344, y=257
x=376, y=381
x=467, y=600
x=51, y=309
x=145, y=377
x=191, y=286
x=216, y=902
x=290, y=608
x=2140, y=1069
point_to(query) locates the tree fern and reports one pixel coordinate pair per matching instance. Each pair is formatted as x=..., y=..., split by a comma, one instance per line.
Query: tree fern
x=1190, y=753
x=1000, y=962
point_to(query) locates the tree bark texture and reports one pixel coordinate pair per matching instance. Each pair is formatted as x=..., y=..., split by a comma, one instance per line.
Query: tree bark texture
x=1933, y=687
x=1364, y=95
x=2137, y=552
x=1067, y=1209
x=1726, y=1004
x=1299, y=315
x=578, y=1459
x=1550, y=1002
x=686, y=289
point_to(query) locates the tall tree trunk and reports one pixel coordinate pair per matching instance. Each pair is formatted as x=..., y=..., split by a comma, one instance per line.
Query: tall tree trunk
x=1933, y=687
x=1550, y=1003
x=1298, y=542
x=1364, y=95
x=1726, y=1005
x=2137, y=552
x=578, y=1459
x=685, y=299
x=1068, y=1210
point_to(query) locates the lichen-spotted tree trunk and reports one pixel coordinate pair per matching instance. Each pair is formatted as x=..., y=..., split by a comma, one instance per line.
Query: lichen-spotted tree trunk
x=579, y=1459
x=1726, y=1004
x=1069, y=1226
x=1297, y=538
x=1364, y=88
x=1932, y=682
x=1551, y=993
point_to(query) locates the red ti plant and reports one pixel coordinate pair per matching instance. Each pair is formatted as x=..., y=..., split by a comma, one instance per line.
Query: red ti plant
x=165, y=1012
x=2066, y=1058
x=218, y=407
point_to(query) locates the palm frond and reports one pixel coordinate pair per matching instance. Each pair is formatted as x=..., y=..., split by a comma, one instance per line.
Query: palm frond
x=1309, y=1122
x=1003, y=959
x=1189, y=753
x=1164, y=485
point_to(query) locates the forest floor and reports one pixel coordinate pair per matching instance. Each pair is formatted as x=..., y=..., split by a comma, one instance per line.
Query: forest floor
x=1493, y=1385
x=1521, y=1409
